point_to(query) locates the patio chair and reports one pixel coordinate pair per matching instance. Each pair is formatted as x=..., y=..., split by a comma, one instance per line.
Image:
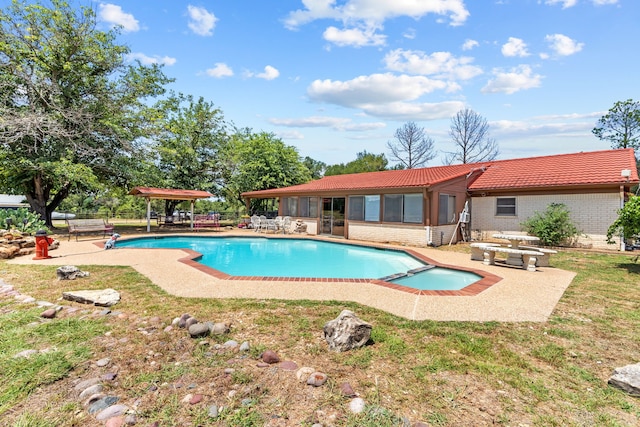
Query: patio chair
x=271, y=225
x=263, y=223
x=255, y=223
x=286, y=225
x=279, y=223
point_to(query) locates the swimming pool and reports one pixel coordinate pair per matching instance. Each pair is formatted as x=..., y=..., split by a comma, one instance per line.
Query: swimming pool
x=306, y=258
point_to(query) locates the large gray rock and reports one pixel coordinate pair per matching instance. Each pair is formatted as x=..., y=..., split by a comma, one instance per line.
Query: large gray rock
x=627, y=379
x=102, y=298
x=346, y=332
x=70, y=272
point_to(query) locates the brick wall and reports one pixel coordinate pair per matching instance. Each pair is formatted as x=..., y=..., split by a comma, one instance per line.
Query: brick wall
x=591, y=213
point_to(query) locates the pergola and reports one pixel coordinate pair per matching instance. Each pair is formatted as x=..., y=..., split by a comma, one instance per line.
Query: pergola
x=168, y=194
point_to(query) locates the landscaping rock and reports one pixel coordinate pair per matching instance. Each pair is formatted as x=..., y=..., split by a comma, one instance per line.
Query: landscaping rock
x=347, y=332
x=317, y=379
x=220, y=328
x=199, y=330
x=112, y=411
x=270, y=357
x=627, y=379
x=101, y=298
x=70, y=272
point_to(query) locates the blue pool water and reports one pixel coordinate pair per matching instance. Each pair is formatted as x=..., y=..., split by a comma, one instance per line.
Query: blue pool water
x=263, y=257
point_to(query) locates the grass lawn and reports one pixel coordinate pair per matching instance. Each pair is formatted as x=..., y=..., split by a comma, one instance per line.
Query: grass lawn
x=437, y=373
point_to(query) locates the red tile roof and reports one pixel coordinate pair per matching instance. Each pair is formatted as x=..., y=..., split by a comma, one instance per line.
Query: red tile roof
x=577, y=169
x=169, y=193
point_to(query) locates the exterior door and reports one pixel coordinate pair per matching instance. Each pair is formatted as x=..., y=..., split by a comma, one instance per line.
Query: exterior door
x=333, y=216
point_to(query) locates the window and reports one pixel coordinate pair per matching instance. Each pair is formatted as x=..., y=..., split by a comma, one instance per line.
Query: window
x=506, y=206
x=446, y=209
x=364, y=208
x=412, y=208
x=307, y=207
x=356, y=208
x=372, y=208
x=393, y=207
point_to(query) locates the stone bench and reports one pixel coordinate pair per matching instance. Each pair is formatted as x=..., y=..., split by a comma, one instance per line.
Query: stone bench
x=529, y=258
x=543, y=261
x=477, y=254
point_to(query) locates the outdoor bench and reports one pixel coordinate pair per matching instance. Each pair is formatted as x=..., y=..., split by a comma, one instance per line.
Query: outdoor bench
x=86, y=226
x=477, y=254
x=529, y=257
x=543, y=261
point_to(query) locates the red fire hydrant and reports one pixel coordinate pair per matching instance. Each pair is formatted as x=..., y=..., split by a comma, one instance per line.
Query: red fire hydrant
x=42, y=245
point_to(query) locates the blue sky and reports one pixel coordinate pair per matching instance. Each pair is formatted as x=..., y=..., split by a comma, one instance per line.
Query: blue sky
x=334, y=78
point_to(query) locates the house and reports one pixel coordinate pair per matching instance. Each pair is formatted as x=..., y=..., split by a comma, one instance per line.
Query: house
x=424, y=206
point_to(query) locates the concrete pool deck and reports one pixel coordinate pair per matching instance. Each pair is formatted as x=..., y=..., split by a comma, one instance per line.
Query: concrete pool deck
x=519, y=296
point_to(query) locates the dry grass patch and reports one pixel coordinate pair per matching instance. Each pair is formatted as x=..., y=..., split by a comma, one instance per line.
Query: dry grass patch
x=440, y=373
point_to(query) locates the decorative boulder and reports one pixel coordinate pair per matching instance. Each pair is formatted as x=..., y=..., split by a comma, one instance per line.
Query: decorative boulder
x=627, y=379
x=70, y=272
x=102, y=298
x=346, y=332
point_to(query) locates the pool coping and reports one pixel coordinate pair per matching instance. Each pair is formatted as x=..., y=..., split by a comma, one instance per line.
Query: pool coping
x=192, y=259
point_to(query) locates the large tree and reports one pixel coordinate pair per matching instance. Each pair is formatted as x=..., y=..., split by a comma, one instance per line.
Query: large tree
x=621, y=125
x=70, y=105
x=258, y=161
x=364, y=162
x=413, y=148
x=470, y=134
x=188, y=139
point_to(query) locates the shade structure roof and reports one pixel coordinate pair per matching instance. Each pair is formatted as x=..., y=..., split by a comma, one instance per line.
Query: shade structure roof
x=169, y=193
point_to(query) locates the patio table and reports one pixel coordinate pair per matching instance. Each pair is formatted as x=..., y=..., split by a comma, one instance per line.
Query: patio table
x=515, y=240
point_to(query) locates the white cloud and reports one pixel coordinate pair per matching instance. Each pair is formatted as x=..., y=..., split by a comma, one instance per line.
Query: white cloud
x=269, y=73
x=376, y=11
x=220, y=70
x=409, y=33
x=148, y=60
x=565, y=3
x=292, y=134
x=604, y=2
x=512, y=81
x=336, y=123
x=515, y=47
x=438, y=64
x=386, y=96
x=201, y=21
x=373, y=89
x=113, y=14
x=354, y=37
x=469, y=44
x=406, y=111
x=563, y=45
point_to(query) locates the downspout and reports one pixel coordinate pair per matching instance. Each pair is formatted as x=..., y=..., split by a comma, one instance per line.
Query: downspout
x=622, y=243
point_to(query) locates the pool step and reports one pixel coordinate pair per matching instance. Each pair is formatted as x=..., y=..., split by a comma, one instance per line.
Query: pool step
x=420, y=269
x=393, y=277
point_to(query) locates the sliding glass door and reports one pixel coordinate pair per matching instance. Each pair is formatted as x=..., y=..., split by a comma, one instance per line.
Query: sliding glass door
x=333, y=209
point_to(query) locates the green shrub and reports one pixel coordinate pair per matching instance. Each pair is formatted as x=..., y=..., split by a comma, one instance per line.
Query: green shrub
x=553, y=226
x=22, y=219
x=628, y=222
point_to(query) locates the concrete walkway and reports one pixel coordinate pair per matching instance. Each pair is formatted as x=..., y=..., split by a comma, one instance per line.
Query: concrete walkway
x=519, y=296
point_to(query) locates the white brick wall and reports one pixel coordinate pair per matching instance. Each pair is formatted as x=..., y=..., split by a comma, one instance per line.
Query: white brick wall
x=591, y=213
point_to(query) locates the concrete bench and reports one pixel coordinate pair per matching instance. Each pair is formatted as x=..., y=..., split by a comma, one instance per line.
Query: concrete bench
x=87, y=226
x=543, y=261
x=528, y=258
x=477, y=254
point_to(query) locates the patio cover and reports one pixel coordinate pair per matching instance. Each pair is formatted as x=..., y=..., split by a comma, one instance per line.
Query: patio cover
x=168, y=194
